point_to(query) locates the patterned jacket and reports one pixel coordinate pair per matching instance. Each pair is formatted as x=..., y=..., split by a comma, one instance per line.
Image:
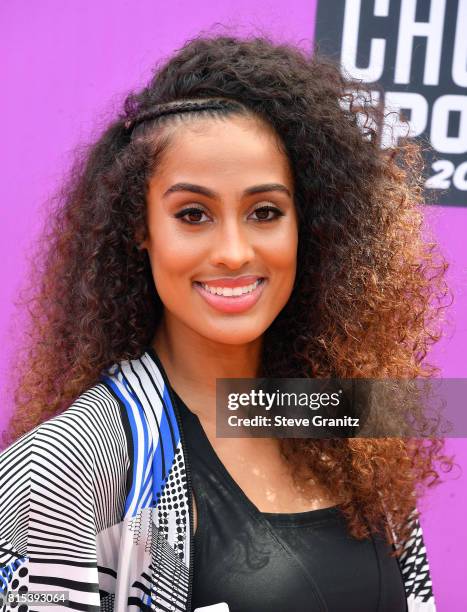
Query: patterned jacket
x=96, y=505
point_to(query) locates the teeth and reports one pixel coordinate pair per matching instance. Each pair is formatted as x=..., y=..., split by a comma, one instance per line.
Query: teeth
x=231, y=291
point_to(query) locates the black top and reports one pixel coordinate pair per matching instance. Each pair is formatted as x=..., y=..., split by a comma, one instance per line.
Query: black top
x=271, y=562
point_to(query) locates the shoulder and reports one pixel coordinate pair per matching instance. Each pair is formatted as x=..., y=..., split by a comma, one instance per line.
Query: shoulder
x=66, y=462
x=69, y=470
x=89, y=427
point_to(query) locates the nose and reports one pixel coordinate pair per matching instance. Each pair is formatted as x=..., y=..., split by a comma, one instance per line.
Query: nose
x=232, y=246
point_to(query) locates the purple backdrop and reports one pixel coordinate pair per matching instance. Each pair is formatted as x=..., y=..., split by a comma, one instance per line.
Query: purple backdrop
x=65, y=68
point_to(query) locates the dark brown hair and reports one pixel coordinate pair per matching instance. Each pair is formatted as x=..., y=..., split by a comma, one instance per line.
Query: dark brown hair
x=368, y=296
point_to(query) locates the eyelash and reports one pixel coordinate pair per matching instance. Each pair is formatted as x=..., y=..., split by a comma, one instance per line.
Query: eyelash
x=181, y=214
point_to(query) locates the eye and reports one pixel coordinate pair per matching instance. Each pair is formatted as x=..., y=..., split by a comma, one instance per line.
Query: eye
x=197, y=213
x=193, y=210
x=264, y=212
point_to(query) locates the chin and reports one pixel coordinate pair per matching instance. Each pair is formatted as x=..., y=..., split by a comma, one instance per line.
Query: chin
x=234, y=336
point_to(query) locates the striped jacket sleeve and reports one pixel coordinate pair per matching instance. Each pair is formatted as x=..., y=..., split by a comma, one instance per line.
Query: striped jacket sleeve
x=415, y=570
x=60, y=484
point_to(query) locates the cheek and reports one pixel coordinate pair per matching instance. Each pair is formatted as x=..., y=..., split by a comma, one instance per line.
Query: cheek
x=173, y=257
x=281, y=254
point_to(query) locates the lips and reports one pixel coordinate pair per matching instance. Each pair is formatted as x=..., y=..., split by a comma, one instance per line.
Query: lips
x=231, y=304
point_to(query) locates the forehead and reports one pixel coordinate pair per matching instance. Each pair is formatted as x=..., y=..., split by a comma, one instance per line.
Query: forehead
x=218, y=148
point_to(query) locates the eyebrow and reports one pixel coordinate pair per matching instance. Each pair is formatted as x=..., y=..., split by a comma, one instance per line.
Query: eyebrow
x=212, y=194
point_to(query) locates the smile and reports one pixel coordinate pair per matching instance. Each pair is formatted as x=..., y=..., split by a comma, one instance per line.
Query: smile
x=231, y=299
x=231, y=291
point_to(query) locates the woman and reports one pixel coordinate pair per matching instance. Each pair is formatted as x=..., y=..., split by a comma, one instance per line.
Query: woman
x=239, y=219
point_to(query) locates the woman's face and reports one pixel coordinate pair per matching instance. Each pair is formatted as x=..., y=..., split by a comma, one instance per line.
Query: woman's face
x=241, y=236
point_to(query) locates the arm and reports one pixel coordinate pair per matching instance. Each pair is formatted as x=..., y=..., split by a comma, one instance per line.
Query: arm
x=54, y=483
x=416, y=572
x=47, y=527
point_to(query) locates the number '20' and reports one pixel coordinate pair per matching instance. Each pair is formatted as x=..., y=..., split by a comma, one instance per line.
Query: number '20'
x=445, y=169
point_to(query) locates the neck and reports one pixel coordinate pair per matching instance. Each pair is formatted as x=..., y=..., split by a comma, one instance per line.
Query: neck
x=193, y=362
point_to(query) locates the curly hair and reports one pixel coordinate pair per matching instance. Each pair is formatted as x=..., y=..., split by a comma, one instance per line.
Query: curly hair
x=369, y=290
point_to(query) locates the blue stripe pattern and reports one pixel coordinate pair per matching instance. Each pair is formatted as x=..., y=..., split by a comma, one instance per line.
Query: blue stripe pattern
x=148, y=479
